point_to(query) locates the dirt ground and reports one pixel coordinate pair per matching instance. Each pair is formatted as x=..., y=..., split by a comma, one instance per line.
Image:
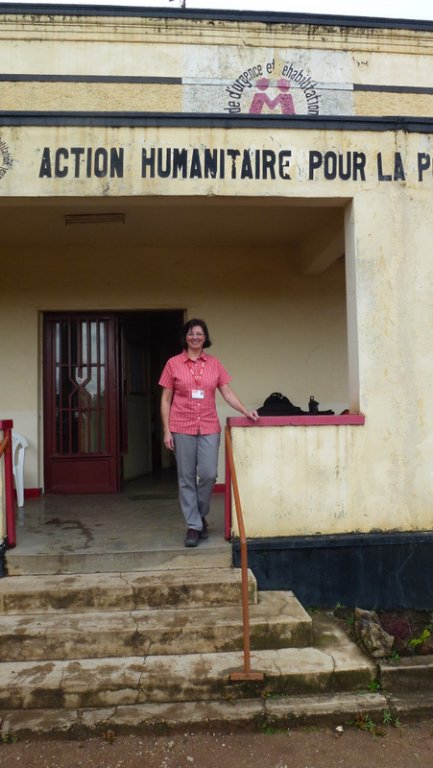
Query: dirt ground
x=405, y=746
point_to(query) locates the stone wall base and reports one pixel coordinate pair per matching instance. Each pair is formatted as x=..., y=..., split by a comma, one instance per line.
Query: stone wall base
x=373, y=570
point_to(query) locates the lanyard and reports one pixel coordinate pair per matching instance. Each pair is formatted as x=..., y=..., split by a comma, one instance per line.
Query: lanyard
x=196, y=377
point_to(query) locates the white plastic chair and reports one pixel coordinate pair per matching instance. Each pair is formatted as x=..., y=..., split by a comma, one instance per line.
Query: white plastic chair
x=19, y=445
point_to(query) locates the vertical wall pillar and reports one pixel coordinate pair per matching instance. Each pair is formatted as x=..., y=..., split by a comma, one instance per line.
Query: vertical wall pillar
x=352, y=313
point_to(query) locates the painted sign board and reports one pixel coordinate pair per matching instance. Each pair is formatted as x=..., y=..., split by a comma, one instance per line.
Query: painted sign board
x=126, y=161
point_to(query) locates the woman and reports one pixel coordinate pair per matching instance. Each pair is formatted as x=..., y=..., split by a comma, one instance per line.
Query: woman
x=190, y=423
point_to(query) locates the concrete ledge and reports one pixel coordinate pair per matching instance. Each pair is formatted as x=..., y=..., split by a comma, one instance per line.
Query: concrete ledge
x=408, y=675
x=252, y=714
x=337, y=708
x=276, y=621
x=19, y=564
x=195, y=677
x=408, y=706
x=124, y=591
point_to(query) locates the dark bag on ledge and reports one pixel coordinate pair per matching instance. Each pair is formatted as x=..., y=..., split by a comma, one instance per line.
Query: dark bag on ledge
x=279, y=405
x=313, y=408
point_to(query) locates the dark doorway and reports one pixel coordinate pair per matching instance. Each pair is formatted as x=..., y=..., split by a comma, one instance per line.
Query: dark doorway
x=148, y=339
x=101, y=397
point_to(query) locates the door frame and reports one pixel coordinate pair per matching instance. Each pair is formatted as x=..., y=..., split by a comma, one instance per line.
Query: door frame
x=103, y=467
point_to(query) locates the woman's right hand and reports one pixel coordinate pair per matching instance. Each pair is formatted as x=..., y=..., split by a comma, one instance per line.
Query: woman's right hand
x=166, y=398
x=168, y=441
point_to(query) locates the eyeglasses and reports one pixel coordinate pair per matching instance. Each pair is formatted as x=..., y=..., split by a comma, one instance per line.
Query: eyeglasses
x=195, y=335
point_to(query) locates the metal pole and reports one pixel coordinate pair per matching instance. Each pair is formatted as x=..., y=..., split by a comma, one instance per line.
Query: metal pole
x=247, y=674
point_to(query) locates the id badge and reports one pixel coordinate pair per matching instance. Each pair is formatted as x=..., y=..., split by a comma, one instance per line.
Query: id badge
x=198, y=394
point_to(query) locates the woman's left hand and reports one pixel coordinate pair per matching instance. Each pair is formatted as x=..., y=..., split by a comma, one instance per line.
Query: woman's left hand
x=253, y=415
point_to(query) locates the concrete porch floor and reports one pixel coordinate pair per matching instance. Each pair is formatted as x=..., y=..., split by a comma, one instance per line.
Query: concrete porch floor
x=141, y=527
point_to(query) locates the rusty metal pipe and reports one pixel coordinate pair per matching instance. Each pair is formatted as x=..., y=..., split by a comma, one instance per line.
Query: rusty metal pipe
x=247, y=674
x=3, y=445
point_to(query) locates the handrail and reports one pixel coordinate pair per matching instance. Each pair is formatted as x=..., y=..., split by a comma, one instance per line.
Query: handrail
x=3, y=444
x=247, y=674
x=6, y=451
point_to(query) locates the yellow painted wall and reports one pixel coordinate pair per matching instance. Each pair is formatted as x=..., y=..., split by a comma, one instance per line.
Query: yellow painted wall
x=378, y=476
x=274, y=327
x=195, y=62
x=269, y=333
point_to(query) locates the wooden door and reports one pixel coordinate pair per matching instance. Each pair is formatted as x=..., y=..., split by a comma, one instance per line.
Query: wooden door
x=81, y=403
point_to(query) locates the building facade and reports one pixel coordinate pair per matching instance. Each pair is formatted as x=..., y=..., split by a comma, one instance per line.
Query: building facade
x=270, y=173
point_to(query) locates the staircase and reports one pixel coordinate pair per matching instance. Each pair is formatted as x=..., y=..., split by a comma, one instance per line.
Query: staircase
x=155, y=649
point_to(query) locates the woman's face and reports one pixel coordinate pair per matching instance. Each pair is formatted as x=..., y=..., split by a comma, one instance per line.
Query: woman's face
x=195, y=338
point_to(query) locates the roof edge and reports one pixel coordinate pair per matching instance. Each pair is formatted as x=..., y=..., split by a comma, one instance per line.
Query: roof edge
x=408, y=124
x=265, y=17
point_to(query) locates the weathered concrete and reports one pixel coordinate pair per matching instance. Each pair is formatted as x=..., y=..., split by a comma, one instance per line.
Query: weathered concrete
x=327, y=682
x=277, y=621
x=114, y=533
x=411, y=705
x=349, y=660
x=135, y=680
x=166, y=717
x=337, y=707
x=81, y=649
x=124, y=591
x=57, y=618
x=87, y=562
x=408, y=675
x=153, y=648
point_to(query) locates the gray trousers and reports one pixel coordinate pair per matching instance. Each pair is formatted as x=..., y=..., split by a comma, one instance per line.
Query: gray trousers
x=197, y=468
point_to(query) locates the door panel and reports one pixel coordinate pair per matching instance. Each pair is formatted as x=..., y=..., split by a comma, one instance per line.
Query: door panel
x=81, y=403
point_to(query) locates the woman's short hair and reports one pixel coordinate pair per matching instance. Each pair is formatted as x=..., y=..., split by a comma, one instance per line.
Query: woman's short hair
x=191, y=324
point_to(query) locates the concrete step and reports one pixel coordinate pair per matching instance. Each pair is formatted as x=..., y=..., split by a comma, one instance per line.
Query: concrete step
x=21, y=563
x=114, y=682
x=126, y=645
x=407, y=675
x=276, y=621
x=256, y=714
x=124, y=591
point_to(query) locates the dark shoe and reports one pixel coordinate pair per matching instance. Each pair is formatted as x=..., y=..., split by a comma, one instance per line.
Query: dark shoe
x=192, y=537
x=204, y=532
